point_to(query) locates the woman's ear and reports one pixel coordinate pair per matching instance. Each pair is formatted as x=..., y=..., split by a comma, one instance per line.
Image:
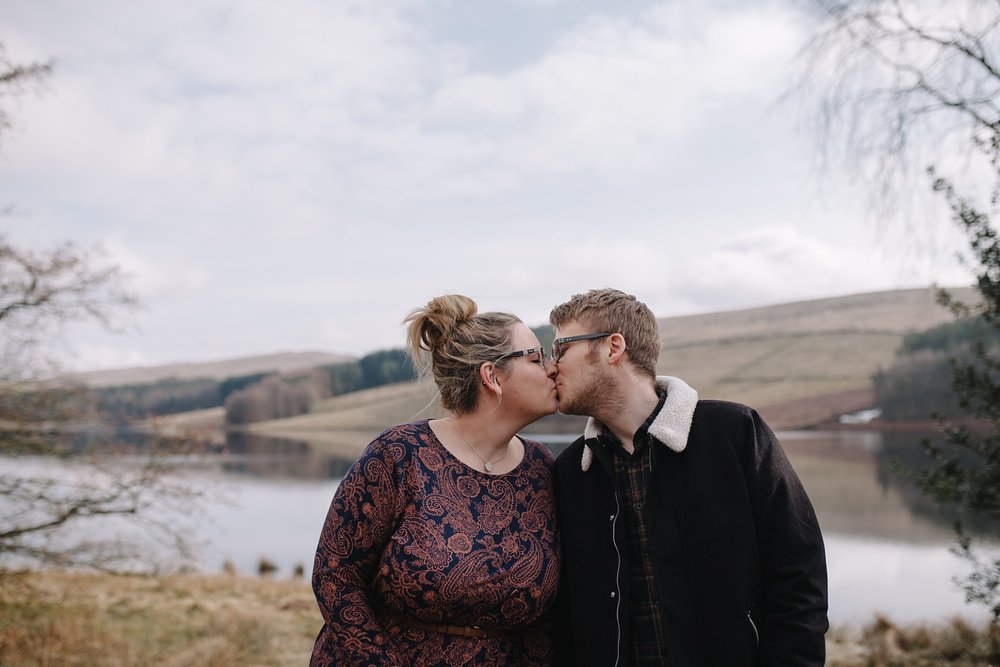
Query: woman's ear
x=488, y=376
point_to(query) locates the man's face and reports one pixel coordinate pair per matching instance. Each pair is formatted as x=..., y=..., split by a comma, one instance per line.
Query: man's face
x=581, y=381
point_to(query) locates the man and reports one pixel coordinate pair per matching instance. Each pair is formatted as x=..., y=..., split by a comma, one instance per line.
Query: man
x=688, y=539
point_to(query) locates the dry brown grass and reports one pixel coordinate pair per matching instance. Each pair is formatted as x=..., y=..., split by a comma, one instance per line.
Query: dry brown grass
x=886, y=644
x=98, y=620
x=776, y=368
x=895, y=311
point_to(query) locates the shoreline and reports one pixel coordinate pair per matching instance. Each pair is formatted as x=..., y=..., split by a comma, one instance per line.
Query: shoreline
x=907, y=426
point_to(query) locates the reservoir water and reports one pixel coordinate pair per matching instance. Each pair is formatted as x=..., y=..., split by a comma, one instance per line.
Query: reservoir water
x=888, y=547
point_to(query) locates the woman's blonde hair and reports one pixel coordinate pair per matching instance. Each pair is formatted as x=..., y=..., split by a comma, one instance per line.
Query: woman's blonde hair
x=450, y=339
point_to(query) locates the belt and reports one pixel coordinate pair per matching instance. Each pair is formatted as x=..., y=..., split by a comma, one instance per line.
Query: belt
x=456, y=630
x=473, y=632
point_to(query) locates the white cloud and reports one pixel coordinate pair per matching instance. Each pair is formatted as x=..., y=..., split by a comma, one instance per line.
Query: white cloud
x=616, y=93
x=156, y=279
x=776, y=264
x=300, y=175
x=98, y=357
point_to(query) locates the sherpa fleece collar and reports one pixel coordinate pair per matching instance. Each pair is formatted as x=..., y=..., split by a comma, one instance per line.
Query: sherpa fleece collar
x=671, y=425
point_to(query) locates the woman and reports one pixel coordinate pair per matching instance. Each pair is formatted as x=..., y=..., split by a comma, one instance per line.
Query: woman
x=440, y=546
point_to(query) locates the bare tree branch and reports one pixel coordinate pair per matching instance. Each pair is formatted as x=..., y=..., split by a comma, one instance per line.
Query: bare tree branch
x=16, y=78
x=51, y=500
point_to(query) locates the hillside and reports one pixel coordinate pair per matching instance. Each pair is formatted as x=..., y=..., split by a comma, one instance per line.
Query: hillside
x=215, y=370
x=799, y=363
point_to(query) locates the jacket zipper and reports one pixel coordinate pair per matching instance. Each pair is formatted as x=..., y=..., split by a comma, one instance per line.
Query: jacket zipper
x=753, y=626
x=617, y=591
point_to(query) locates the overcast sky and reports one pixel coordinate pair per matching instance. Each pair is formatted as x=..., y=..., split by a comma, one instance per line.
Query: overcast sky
x=300, y=175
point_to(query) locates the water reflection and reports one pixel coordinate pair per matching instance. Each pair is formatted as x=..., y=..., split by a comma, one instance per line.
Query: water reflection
x=904, y=581
x=264, y=456
x=887, y=544
x=851, y=476
x=859, y=484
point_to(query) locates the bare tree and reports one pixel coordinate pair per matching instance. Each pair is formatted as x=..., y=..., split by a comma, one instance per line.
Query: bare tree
x=276, y=397
x=15, y=79
x=62, y=469
x=905, y=85
x=40, y=291
x=911, y=88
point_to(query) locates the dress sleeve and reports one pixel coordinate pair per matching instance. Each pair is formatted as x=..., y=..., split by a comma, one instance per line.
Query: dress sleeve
x=358, y=526
x=793, y=617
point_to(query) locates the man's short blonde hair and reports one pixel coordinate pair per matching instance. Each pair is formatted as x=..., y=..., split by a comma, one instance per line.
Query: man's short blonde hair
x=615, y=311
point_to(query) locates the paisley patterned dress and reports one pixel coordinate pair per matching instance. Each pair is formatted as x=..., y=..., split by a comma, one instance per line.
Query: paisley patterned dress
x=416, y=537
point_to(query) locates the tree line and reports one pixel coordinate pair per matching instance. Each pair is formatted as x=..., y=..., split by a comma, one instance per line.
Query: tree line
x=256, y=396
x=287, y=395
x=918, y=383
x=278, y=396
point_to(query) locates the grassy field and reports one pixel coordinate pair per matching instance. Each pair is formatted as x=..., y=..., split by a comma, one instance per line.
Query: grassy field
x=100, y=620
x=788, y=360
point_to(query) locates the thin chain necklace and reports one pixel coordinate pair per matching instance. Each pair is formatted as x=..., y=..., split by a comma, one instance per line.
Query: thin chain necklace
x=487, y=465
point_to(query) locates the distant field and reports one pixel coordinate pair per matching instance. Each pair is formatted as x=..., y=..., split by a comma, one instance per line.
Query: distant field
x=896, y=311
x=800, y=364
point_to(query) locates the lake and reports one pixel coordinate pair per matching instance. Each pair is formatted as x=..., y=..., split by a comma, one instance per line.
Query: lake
x=887, y=546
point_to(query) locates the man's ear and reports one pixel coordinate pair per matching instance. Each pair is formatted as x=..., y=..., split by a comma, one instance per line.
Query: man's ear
x=616, y=348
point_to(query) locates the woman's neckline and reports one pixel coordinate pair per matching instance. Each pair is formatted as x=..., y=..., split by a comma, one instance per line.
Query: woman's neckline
x=441, y=445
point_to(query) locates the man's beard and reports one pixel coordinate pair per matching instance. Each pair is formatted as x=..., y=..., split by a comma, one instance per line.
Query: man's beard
x=585, y=401
x=593, y=399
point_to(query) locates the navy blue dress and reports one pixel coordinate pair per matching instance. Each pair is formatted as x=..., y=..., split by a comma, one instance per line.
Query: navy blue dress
x=415, y=535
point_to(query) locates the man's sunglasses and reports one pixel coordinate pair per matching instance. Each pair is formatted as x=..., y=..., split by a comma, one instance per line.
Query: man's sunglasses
x=559, y=344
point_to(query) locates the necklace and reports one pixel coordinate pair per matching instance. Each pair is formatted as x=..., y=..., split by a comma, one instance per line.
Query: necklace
x=487, y=465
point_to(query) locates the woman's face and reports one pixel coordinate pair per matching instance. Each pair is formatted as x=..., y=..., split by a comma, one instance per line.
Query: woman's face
x=528, y=380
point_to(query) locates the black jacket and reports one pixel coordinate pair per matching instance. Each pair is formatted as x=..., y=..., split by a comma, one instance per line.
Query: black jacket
x=737, y=550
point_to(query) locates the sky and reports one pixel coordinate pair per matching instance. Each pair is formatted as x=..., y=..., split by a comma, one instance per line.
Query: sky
x=301, y=175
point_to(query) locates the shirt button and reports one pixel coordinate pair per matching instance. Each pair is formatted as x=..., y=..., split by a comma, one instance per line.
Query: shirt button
x=638, y=506
x=612, y=595
x=611, y=518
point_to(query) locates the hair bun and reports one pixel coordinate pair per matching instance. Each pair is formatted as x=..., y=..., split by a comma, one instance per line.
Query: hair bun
x=435, y=323
x=456, y=339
